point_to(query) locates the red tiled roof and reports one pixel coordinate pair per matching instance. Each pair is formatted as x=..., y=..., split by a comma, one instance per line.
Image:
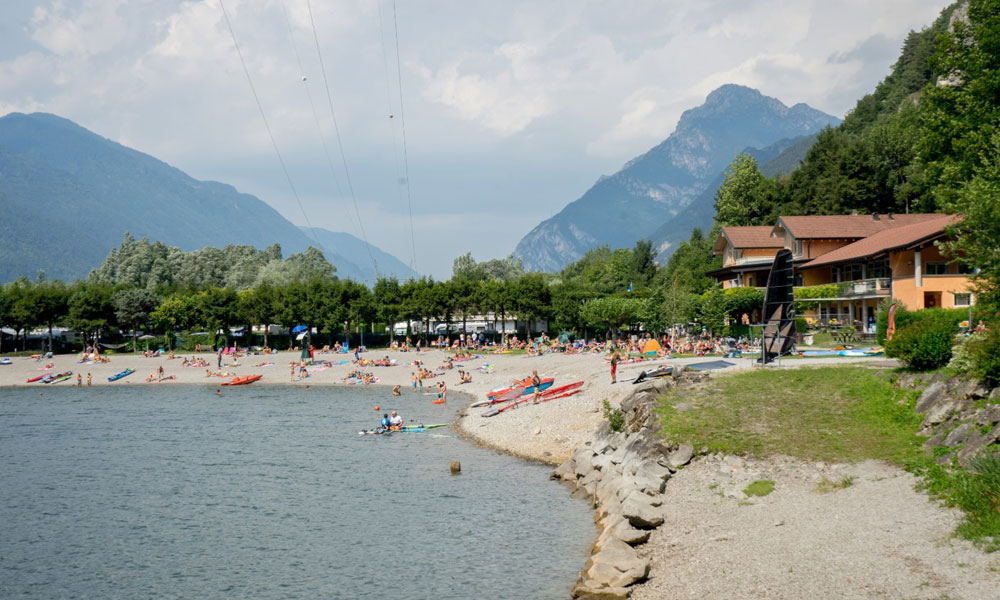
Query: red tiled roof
x=846, y=226
x=885, y=240
x=752, y=237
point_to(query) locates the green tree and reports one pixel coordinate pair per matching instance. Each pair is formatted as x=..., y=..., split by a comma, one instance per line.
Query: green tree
x=51, y=304
x=132, y=308
x=712, y=310
x=961, y=141
x=174, y=313
x=612, y=312
x=5, y=310
x=388, y=298
x=90, y=309
x=745, y=197
x=532, y=299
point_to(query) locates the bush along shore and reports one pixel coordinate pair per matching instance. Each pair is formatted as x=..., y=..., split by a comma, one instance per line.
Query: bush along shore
x=624, y=472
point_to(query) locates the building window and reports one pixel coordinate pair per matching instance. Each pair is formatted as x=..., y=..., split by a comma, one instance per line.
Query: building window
x=963, y=299
x=936, y=268
x=879, y=269
x=750, y=281
x=797, y=247
x=965, y=268
x=798, y=280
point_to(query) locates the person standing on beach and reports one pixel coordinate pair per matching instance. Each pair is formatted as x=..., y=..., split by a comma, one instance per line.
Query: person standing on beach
x=79, y=380
x=88, y=379
x=291, y=371
x=614, y=366
x=536, y=382
x=218, y=356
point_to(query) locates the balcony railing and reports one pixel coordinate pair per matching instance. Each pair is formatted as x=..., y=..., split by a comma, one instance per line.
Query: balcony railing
x=865, y=287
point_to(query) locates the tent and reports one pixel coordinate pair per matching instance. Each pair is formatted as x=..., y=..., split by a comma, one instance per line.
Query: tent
x=651, y=347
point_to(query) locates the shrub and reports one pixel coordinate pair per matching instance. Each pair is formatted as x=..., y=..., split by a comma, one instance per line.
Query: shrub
x=924, y=344
x=963, y=355
x=615, y=417
x=985, y=354
x=801, y=325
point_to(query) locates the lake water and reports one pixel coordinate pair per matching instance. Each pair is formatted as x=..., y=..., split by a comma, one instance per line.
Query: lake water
x=268, y=492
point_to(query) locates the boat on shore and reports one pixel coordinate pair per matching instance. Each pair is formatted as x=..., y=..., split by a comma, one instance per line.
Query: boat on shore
x=124, y=373
x=245, y=380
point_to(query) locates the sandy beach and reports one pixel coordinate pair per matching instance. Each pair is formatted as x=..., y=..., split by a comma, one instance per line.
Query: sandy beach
x=683, y=564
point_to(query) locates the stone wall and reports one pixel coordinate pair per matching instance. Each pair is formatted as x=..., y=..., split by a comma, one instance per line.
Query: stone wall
x=960, y=415
x=624, y=473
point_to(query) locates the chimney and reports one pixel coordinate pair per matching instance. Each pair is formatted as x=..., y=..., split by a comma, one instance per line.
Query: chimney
x=874, y=216
x=889, y=216
x=854, y=213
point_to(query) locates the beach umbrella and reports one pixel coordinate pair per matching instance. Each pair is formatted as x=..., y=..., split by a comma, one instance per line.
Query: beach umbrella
x=299, y=328
x=566, y=337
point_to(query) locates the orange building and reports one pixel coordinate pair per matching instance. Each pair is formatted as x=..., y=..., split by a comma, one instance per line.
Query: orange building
x=867, y=257
x=747, y=254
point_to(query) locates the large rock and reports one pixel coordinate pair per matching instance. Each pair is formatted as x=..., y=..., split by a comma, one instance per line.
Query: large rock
x=641, y=510
x=565, y=471
x=940, y=411
x=681, y=456
x=602, y=462
x=930, y=396
x=618, y=527
x=583, y=462
x=616, y=564
x=958, y=435
x=975, y=444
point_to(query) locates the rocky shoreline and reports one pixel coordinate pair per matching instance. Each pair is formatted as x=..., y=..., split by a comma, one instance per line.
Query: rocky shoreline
x=624, y=473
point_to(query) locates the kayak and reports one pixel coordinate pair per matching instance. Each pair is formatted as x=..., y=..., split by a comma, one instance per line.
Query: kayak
x=57, y=378
x=124, y=373
x=561, y=389
x=5, y=361
x=246, y=379
x=517, y=384
x=544, y=385
x=419, y=428
x=403, y=429
x=39, y=378
x=526, y=399
x=511, y=394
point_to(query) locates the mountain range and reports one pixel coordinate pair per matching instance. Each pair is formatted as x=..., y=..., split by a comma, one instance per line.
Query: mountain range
x=650, y=192
x=68, y=195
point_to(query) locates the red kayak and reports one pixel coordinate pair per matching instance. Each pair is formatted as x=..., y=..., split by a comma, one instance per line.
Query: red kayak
x=243, y=380
x=517, y=383
x=39, y=378
x=561, y=389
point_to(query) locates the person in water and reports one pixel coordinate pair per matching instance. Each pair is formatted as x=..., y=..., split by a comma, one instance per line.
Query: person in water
x=395, y=390
x=385, y=423
x=395, y=421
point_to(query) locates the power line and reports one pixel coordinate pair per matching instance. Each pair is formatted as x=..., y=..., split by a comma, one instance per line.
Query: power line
x=406, y=161
x=312, y=105
x=340, y=144
x=263, y=116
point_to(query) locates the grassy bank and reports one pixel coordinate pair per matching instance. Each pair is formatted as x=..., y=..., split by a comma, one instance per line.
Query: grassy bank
x=837, y=414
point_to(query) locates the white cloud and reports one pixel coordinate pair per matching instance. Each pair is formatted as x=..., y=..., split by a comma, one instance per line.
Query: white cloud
x=512, y=108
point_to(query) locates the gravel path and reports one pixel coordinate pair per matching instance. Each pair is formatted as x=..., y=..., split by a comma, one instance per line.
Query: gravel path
x=875, y=538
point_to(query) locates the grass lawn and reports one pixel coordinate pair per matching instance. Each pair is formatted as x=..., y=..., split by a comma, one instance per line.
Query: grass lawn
x=824, y=413
x=837, y=414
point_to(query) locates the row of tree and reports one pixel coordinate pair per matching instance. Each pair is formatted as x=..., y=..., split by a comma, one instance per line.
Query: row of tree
x=605, y=291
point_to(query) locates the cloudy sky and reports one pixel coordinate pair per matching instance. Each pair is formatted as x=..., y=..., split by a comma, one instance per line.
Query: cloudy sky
x=510, y=109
